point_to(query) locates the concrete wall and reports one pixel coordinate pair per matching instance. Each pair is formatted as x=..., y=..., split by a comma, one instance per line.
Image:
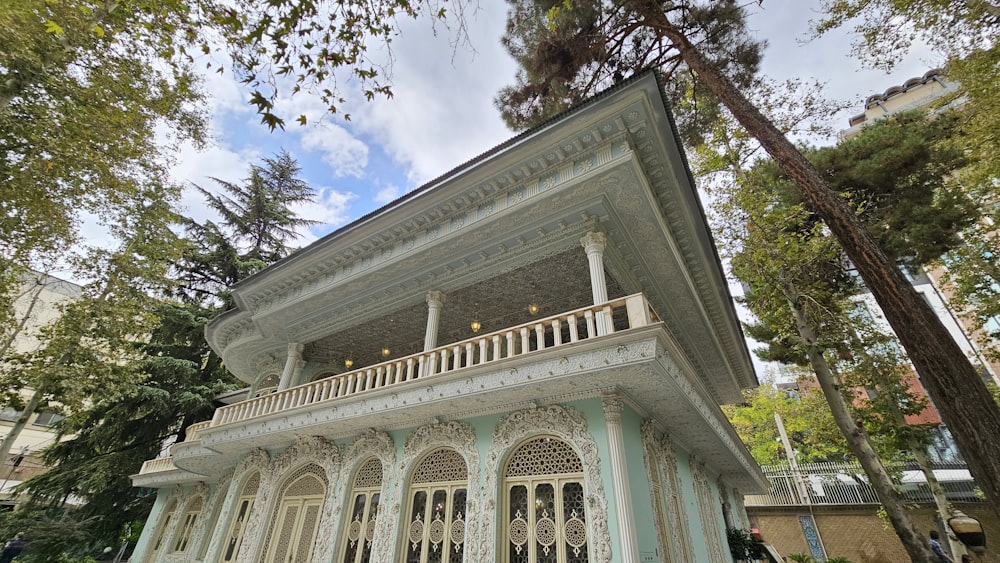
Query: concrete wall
x=857, y=533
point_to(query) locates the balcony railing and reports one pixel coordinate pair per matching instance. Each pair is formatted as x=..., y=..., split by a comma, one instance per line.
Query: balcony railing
x=846, y=483
x=547, y=333
x=157, y=465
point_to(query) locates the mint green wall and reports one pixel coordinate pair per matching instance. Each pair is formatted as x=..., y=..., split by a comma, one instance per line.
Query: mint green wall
x=690, y=509
x=638, y=480
x=154, y=516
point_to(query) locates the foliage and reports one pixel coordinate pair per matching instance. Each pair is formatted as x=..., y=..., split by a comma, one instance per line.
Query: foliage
x=257, y=223
x=52, y=536
x=742, y=545
x=567, y=54
x=77, y=108
x=112, y=439
x=810, y=428
x=801, y=558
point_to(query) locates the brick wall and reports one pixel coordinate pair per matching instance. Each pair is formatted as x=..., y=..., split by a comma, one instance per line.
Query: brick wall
x=857, y=533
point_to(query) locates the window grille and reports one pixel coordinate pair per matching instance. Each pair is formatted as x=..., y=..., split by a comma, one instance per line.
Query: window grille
x=161, y=534
x=545, y=516
x=191, y=515
x=360, y=532
x=436, y=532
x=295, y=521
x=234, y=537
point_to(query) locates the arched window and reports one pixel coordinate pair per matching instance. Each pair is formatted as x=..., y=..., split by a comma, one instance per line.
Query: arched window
x=163, y=528
x=191, y=514
x=234, y=535
x=545, y=521
x=295, y=521
x=363, y=513
x=436, y=529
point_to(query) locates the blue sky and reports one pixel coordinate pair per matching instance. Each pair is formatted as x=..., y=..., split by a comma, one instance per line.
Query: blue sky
x=442, y=113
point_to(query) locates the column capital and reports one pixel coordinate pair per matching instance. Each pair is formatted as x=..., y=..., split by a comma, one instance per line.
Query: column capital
x=612, y=405
x=295, y=349
x=594, y=241
x=435, y=298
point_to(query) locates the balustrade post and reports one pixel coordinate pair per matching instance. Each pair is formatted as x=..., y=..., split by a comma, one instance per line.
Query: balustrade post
x=525, y=342
x=539, y=336
x=556, y=332
x=350, y=382
x=456, y=357
x=607, y=321
x=470, y=359
x=574, y=335
x=588, y=315
x=483, y=350
x=409, y=369
x=510, y=343
x=427, y=362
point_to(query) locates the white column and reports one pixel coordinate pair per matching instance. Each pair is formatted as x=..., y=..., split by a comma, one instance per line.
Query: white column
x=594, y=243
x=435, y=300
x=291, y=362
x=619, y=478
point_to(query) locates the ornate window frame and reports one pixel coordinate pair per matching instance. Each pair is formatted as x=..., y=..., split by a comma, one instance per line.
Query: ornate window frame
x=570, y=426
x=380, y=445
x=707, y=512
x=255, y=462
x=437, y=524
x=672, y=530
x=459, y=436
x=525, y=523
x=303, y=451
x=283, y=497
x=164, y=527
x=193, y=509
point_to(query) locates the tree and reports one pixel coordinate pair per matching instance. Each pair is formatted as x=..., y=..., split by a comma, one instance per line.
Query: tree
x=111, y=439
x=952, y=382
x=257, y=223
x=811, y=430
x=76, y=110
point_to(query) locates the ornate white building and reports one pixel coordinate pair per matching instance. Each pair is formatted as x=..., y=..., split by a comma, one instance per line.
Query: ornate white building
x=519, y=362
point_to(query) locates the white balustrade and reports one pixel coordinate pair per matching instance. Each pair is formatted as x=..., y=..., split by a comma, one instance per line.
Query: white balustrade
x=551, y=332
x=157, y=465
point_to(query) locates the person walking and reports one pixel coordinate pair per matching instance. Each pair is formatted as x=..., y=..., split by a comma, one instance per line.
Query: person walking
x=942, y=557
x=13, y=548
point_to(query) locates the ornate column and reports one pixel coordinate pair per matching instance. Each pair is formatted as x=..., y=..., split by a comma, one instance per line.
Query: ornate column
x=619, y=479
x=594, y=243
x=292, y=368
x=435, y=300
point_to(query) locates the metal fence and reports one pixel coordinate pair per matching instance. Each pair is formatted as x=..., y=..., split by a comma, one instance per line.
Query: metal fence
x=846, y=483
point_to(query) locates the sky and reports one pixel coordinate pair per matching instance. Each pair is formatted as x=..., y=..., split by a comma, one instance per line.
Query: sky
x=442, y=112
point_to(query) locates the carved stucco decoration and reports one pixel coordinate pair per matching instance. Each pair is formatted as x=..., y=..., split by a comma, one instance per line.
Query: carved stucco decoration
x=459, y=436
x=256, y=461
x=184, y=501
x=706, y=509
x=304, y=450
x=379, y=444
x=569, y=425
x=175, y=499
x=661, y=457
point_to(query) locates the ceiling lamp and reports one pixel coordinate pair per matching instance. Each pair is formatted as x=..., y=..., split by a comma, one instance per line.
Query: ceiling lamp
x=385, y=351
x=476, y=325
x=533, y=308
x=348, y=363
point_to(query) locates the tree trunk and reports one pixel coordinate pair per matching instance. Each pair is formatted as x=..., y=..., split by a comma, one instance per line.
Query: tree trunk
x=8, y=441
x=953, y=384
x=857, y=440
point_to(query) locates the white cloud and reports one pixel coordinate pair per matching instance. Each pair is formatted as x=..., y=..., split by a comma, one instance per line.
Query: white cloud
x=442, y=112
x=387, y=194
x=343, y=152
x=330, y=208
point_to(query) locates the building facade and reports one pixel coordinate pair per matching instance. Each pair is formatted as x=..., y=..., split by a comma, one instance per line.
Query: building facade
x=521, y=361
x=36, y=305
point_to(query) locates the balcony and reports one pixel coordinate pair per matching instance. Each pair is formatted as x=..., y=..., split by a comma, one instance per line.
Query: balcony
x=618, y=346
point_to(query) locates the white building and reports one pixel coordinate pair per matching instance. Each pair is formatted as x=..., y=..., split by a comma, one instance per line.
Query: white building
x=521, y=361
